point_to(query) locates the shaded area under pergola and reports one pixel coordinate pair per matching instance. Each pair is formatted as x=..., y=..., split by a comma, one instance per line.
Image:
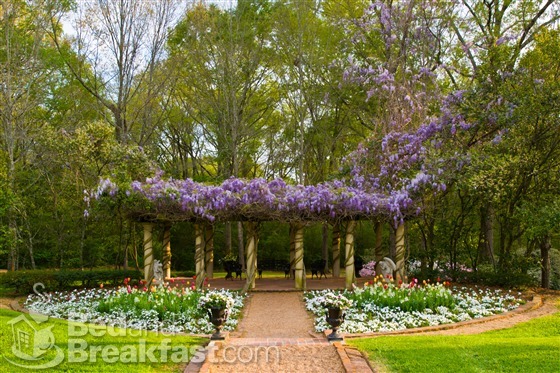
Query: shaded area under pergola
x=273, y=284
x=204, y=253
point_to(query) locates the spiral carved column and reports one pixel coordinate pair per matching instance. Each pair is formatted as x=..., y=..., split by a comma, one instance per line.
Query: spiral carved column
x=400, y=252
x=298, y=258
x=167, y=251
x=148, y=251
x=349, y=250
x=199, y=255
x=251, y=229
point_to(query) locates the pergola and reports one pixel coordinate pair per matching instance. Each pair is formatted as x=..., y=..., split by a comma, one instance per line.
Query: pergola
x=166, y=202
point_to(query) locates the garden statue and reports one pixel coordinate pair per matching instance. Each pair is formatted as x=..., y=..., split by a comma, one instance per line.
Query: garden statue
x=158, y=272
x=387, y=267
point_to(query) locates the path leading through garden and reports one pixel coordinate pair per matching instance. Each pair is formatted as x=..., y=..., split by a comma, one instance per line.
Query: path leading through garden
x=275, y=335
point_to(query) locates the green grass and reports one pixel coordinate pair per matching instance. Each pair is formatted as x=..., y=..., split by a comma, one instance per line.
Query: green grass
x=266, y=274
x=533, y=346
x=271, y=274
x=128, y=346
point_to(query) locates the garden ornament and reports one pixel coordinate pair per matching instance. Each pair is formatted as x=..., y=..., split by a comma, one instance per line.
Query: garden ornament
x=387, y=267
x=158, y=272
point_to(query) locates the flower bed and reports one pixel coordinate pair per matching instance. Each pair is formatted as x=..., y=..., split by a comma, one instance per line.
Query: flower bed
x=159, y=308
x=386, y=307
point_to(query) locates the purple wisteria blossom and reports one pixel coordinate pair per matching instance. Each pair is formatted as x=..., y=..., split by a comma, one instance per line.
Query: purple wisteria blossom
x=254, y=200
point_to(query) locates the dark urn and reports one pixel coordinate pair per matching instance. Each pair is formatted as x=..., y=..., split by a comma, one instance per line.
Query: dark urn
x=217, y=318
x=334, y=318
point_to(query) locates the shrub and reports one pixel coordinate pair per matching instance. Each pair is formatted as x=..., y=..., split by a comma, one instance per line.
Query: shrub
x=182, y=273
x=368, y=270
x=23, y=281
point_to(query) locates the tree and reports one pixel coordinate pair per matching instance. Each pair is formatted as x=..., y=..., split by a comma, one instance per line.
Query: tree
x=493, y=36
x=24, y=73
x=72, y=162
x=317, y=125
x=119, y=45
x=223, y=82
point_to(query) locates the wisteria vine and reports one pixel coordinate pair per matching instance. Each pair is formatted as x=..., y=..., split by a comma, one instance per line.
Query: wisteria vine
x=384, y=180
x=251, y=200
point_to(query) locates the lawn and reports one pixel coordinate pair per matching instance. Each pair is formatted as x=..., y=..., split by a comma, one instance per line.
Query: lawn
x=265, y=274
x=99, y=348
x=533, y=346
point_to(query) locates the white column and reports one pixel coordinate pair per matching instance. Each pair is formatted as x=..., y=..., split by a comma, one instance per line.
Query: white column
x=251, y=230
x=199, y=255
x=298, y=258
x=167, y=251
x=148, y=252
x=400, y=251
x=349, y=250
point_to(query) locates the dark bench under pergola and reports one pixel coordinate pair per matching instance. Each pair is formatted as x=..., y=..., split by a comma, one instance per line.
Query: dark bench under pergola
x=166, y=202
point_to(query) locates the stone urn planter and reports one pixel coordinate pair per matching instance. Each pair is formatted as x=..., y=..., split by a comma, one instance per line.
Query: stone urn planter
x=335, y=303
x=217, y=318
x=218, y=305
x=335, y=319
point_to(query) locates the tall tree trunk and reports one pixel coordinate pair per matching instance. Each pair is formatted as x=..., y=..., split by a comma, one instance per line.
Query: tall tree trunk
x=241, y=245
x=325, y=247
x=486, y=235
x=209, y=250
x=227, y=234
x=546, y=245
x=30, y=242
x=336, y=249
x=392, y=243
x=82, y=242
x=30, y=247
x=505, y=244
x=12, y=227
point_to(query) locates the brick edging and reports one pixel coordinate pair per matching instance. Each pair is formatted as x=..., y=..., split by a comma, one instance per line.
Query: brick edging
x=344, y=359
x=14, y=305
x=203, y=366
x=357, y=363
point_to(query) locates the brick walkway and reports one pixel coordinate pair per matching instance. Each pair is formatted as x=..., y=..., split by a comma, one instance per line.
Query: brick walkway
x=276, y=335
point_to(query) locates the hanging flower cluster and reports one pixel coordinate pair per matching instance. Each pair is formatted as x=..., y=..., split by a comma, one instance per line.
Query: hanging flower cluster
x=406, y=165
x=239, y=199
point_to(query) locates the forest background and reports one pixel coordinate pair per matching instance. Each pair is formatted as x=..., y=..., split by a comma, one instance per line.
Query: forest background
x=279, y=89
